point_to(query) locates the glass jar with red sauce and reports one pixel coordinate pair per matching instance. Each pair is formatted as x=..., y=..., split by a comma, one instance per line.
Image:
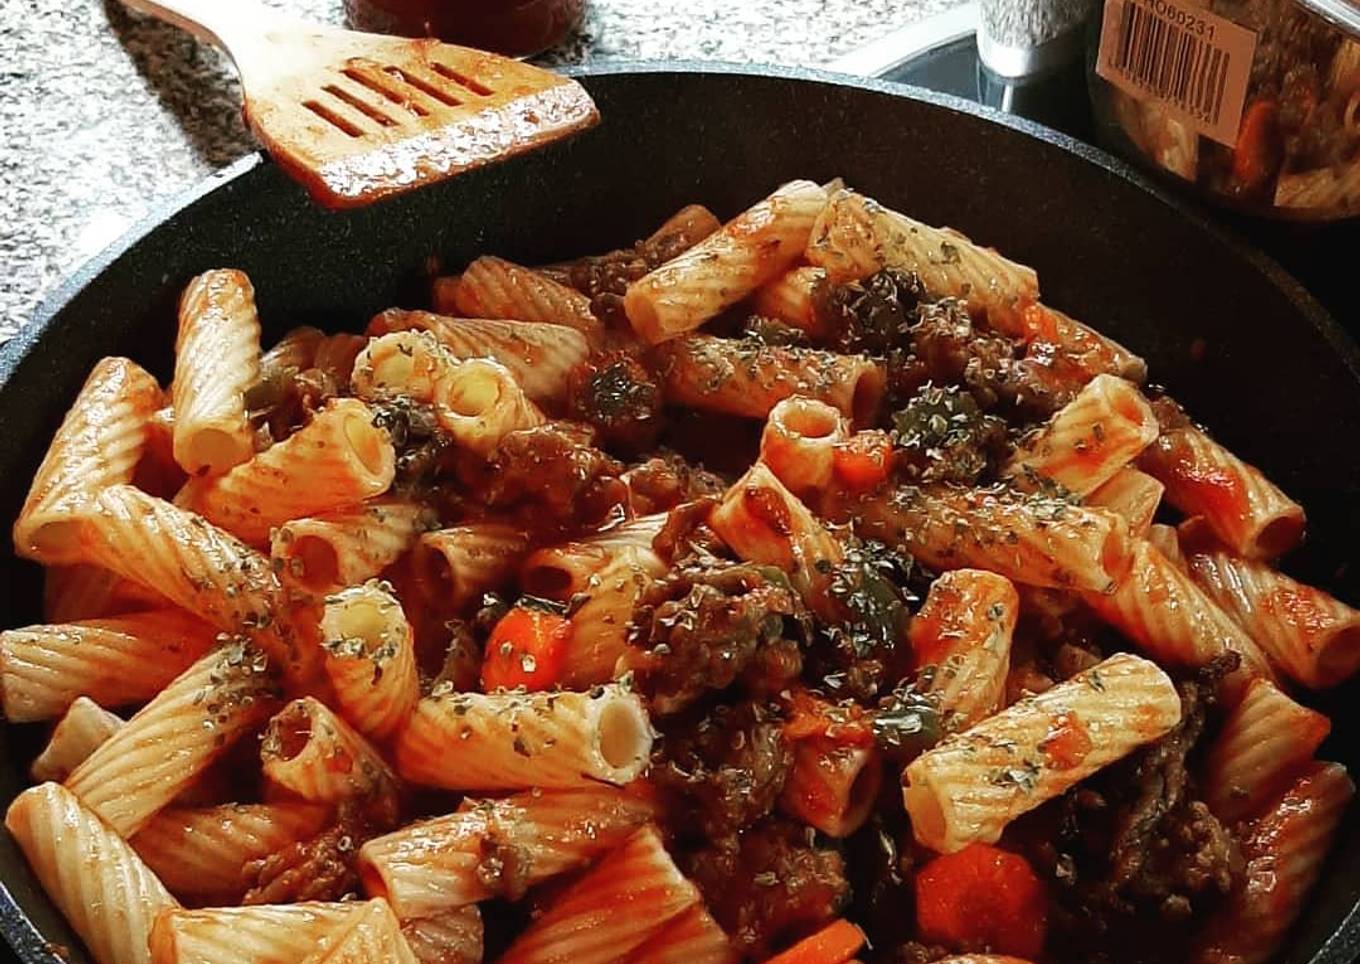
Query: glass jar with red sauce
x=515, y=27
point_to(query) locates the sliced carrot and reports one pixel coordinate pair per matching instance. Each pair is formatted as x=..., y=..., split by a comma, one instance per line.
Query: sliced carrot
x=1039, y=323
x=1257, y=152
x=527, y=648
x=982, y=897
x=835, y=943
x=810, y=717
x=863, y=460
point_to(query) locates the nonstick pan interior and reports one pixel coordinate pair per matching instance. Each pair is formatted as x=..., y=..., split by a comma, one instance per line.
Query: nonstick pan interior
x=1250, y=354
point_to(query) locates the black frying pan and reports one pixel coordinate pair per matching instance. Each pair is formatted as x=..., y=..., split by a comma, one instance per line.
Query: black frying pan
x=1250, y=352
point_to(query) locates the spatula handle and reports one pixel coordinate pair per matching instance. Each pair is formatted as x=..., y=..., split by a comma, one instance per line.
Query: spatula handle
x=231, y=25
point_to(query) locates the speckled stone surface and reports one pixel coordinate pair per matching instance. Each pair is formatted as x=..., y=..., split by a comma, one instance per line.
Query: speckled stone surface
x=103, y=114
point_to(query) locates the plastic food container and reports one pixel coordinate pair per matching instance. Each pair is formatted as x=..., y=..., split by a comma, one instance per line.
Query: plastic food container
x=1254, y=102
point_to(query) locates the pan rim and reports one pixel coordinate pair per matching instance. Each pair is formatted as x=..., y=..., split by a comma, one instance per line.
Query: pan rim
x=22, y=934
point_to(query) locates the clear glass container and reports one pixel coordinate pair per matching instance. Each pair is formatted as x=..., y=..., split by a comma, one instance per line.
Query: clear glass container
x=1256, y=103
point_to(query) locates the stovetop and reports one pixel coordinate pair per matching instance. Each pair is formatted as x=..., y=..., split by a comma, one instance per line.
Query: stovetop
x=1323, y=257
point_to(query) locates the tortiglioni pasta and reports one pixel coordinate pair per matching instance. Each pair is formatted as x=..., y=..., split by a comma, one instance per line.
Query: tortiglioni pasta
x=762, y=591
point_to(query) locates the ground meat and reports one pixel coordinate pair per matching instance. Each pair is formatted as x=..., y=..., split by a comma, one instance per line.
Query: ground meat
x=872, y=315
x=551, y=473
x=686, y=532
x=1156, y=817
x=702, y=627
x=321, y=868
x=504, y=863
x=461, y=668
x=864, y=653
x=285, y=399
x=953, y=352
x=425, y=454
x=605, y=278
x=617, y=395
x=682, y=231
x=721, y=769
x=1057, y=636
x=1192, y=856
x=773, y=332
x=770, y=886
x=1134, y=855
x=914, y=952
x=942, y=435
x=665, y=481
x=880, y=864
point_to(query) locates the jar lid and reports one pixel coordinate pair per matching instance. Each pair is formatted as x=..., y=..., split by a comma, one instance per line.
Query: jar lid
x=1339, y=13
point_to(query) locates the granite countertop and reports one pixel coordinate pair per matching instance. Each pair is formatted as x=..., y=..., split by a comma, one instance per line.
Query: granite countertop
x=103, y=114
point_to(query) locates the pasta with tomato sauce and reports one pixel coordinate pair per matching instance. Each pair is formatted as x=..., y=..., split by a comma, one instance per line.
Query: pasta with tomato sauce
x=797, y=589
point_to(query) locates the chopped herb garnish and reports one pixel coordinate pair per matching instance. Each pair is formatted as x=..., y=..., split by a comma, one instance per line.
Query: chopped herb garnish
x=906, y=723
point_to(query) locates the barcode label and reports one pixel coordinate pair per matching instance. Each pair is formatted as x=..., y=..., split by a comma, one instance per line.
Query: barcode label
x=1194, y=63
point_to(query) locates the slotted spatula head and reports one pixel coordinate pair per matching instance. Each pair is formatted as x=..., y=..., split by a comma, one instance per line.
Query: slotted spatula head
x=355, y=117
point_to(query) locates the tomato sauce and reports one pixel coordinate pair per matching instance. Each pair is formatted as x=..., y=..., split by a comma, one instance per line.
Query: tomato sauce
x=515, y=27
x=1067, y=743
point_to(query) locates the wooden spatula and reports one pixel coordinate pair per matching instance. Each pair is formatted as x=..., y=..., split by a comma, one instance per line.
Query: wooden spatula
x=356, y=116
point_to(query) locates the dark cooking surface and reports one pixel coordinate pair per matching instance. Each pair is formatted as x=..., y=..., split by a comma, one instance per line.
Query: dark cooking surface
x=1250, y=355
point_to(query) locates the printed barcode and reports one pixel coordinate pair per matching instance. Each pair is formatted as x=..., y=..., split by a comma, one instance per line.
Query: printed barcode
x=1170, y=62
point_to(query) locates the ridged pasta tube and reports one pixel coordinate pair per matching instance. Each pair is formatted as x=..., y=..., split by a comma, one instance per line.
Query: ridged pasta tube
x=1033, y=540
x=763, y=522
x=693, y=937
x=437, y=865
x=1285, y=852
x=1247, y=512
x=311, y=751
x=495, y=288
x=453, y=937
x=514, y=741
x=344, y=548
x=753, y=248
x=1265, y=740
x=260, y=934
x=98, y=444
x=855, y=237
x=584, y=925
x=1132, y=494
x=740, y=376
x=199, y=568
x=969, y=787
x=1161, y=609
x=79, y=733
x=116, y=661
x=370, y=658
x=459, y=564
x=175, y=737
x=799, y=442
x=961, y=642
x=217, y=358
x=1313, y=637
x=540, y=357
x=793, y=298
x=109, y=896
x=1088, y=440
x=200, y=853
x=337, y=459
